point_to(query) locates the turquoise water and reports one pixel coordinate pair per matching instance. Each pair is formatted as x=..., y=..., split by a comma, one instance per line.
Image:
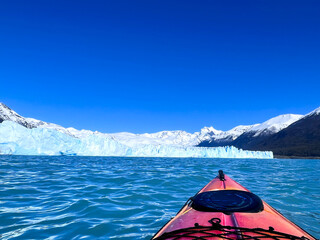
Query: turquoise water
x=131, y=198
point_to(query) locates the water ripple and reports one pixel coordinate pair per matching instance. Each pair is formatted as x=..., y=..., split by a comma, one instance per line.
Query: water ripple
x=131, y=198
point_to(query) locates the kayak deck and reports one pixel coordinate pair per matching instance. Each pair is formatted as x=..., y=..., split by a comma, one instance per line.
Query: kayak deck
x=209, y=223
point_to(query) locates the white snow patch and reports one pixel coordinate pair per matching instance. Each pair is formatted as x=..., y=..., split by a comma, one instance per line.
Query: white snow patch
x=275, y=124
x=314, y=112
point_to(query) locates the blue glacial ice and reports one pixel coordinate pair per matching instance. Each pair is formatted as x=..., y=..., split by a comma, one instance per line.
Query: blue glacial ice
x=18, y=140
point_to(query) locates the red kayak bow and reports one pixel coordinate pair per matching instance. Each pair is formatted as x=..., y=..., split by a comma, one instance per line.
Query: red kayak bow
x=224, y=209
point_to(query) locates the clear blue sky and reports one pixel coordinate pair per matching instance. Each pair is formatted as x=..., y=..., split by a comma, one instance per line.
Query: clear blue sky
x=146, y=66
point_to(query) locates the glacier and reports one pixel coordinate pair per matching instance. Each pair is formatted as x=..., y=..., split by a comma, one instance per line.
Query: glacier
x=20, y=140
x=176, y=138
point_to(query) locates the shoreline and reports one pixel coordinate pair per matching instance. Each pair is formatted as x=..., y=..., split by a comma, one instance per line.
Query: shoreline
x=295, y=157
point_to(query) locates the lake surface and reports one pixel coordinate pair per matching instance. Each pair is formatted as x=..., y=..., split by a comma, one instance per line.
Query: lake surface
x=131, y=198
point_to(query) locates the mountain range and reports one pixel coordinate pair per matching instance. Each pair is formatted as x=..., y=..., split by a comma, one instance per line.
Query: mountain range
x=287, y=135
x=290, y=135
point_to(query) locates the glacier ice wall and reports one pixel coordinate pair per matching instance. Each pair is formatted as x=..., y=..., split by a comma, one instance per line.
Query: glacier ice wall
x=18, y=140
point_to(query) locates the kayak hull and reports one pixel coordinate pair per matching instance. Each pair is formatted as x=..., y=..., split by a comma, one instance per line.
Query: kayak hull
x=188, y=217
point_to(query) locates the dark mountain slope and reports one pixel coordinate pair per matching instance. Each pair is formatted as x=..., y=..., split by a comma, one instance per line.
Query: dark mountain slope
x=301, y=138
x=7, y=114
x=215, y=143
x=249, y=141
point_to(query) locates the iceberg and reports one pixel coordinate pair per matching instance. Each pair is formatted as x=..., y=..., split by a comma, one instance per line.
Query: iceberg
x=19, y=140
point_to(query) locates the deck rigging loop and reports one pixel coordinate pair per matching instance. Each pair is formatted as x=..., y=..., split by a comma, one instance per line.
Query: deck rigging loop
x=199, y=232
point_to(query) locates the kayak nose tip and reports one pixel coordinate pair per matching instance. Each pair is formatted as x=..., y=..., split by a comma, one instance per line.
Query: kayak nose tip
x=221, y=175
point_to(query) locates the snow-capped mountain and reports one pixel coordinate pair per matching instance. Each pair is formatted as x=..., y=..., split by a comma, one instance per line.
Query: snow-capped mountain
x=28, y=136
x=259, y=132
x=244, y=135
x=7, y=114
x=275, y=124
x=176, y=138
x=286, y=135
x=16, y=139
x=299, y=139
x=233, y=133
x=39, y=137
x=314, y=112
